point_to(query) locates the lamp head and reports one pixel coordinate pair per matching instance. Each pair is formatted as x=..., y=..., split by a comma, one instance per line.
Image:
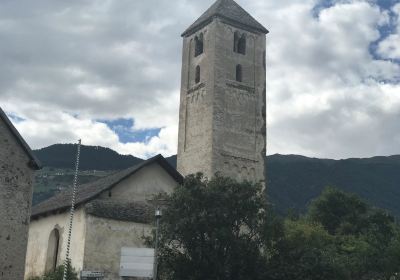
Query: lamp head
x=158, y=213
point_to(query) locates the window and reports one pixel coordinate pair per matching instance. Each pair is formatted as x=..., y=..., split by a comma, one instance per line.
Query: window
x=236, y=41
x=197, y=78
x=242, y=45
x=199, y=45
x=53, y=250
x=239, y=43
x=239, y=73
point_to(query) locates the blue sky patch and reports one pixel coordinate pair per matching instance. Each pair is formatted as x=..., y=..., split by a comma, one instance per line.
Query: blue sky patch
x=384, y=30
x=325, y=4
x=14, y=118
x=126, y=134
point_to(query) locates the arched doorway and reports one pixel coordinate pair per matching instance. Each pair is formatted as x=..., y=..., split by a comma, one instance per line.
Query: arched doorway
x=53, y=250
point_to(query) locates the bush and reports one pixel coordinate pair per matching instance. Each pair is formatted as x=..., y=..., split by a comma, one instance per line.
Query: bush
x=58, y=274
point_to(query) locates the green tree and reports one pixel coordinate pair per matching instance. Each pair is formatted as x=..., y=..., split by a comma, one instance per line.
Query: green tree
x=364, y=235
x=338, y=212
x=307, y=251
x=213, y=229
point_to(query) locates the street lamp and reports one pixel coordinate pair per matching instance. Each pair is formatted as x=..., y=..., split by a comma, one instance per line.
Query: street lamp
x=158, y=215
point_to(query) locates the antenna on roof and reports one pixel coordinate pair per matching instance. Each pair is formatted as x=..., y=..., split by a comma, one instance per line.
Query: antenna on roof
x=67, y=261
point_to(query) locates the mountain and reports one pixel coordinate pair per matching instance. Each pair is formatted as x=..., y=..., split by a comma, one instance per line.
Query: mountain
x=91, y=157
x=292, y=180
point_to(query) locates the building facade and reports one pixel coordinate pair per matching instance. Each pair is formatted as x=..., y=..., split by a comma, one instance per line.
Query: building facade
x=222, y=118
x=114, y=212
x=17, y=166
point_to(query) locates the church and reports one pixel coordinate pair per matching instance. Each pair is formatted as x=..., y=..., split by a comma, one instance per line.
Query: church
x=222, y=129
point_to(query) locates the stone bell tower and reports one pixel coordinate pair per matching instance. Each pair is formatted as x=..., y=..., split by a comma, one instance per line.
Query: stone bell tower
x=222, y=118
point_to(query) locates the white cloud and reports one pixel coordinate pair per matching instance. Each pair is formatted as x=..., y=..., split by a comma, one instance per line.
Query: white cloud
x=327, y=95
x=390, y=47
x=51, y=127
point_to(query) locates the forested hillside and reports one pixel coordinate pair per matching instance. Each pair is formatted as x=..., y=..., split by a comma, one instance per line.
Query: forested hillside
x=92, y=157
x=292, y=181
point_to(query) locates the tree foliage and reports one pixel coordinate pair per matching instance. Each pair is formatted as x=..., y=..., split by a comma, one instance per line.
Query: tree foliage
x=211, y=230
x=222, y=229
x=57, y=274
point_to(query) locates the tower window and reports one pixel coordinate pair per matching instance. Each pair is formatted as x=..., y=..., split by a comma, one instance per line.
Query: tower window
x=199, y=45
x=236, y=41
x=197, y=78
x=239, y=74
x=239, y=43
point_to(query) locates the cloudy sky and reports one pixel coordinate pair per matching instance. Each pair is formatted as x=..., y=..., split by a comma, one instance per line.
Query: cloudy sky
x=108, y=71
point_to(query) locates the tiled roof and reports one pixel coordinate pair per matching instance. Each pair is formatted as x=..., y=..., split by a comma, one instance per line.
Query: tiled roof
x=34, y=162
x=138, y=211
x=229, y=11
x=92, y=190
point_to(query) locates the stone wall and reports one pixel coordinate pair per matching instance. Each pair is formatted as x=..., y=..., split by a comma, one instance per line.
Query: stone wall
x=196, y=106
x=239, y=124
x=39, y=236
x=15, y=205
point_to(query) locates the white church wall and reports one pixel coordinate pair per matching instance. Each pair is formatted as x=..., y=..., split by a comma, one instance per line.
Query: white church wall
x=104, y=240
x=106, y=237
x=144, y=184
x=38, y=241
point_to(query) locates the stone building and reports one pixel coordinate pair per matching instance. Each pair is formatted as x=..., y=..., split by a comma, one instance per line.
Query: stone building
x=222, y=118
x=17, y=166
x=114, y=212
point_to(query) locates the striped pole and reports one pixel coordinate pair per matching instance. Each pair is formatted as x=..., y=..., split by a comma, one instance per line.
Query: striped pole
x=71, y=214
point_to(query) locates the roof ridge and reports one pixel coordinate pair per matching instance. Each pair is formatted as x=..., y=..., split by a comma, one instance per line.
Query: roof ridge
x=91, y=190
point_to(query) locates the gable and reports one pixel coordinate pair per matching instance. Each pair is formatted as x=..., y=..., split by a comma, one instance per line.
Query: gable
x=92, y=190
x=142, y=185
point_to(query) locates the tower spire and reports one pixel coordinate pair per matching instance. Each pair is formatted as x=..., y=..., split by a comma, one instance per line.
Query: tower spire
x=230, y=12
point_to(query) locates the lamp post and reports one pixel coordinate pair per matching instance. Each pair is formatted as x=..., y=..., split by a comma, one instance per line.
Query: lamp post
x=158, y=215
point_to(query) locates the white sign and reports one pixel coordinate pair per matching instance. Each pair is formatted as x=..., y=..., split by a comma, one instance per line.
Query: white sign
x=136, y=262
x=92, y=274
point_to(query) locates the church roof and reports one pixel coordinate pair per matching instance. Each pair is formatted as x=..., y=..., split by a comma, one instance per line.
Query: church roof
x=92, y=190
x=34, y=162
x=229, y=11
x=136, y=211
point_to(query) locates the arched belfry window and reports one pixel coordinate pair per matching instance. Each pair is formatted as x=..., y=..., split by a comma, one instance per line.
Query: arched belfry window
x=197, y=78
x=242, y=45
x=236, y=41
x=239, y=43
x=198, y=45
x=53, y=250
x=239, y=73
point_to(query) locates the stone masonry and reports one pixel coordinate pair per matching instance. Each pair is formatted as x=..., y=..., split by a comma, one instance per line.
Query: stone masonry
x=222, y=120
x=16, y=175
